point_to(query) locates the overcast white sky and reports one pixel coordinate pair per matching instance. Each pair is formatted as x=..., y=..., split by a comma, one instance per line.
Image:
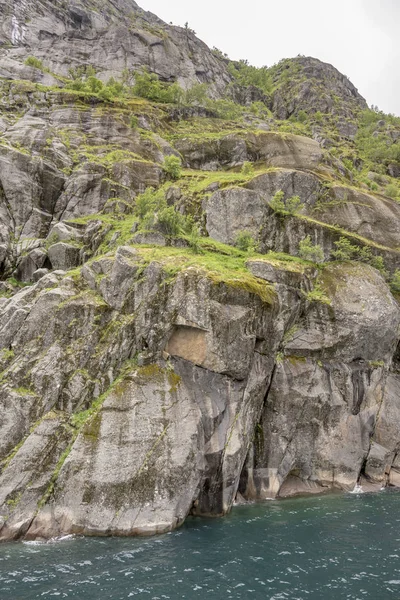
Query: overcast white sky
x=361, y=38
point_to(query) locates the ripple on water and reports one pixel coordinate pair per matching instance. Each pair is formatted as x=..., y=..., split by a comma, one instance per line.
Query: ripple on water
x=330, y=547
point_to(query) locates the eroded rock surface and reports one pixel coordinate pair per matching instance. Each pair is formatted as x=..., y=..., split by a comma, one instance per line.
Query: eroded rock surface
x=167, y=345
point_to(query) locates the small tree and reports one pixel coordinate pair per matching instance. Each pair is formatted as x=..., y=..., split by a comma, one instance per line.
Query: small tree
x=310, y=251
x=245, y=241
x=276, y=203
x=173, y=166
x=189, y=29
x=345, y=250
x=291, y=205
x=170, y=222
x=197, y=94
x=145, y=203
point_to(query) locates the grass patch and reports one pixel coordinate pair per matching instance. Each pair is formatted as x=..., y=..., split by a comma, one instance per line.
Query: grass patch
x=229, y=269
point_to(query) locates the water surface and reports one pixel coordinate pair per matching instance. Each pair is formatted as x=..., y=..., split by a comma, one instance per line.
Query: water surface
x=331, y=547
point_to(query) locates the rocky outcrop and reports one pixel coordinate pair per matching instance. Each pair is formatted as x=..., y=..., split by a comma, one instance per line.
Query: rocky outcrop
x=325, y=213
x=273, y=149
x=214, y=389
x=308, y=84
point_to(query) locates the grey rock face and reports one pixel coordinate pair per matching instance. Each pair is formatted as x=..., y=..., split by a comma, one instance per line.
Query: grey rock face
x=322, y=212
x=290, y=151
x=219, y=364
x=111, y=36
x=63, y=256
x=209, y=451
x=232, y=211
x=142, y=481
x=326, y=398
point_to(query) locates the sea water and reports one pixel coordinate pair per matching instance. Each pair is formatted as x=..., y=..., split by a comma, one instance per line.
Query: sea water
x=320, y=548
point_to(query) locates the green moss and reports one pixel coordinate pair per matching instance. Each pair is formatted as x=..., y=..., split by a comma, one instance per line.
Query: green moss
x=229, y=269
x=152, y=372
x=22, y=391
x=290, y=333
x=294, y=360
x=85, y=296
x=92, y=426
x=376, y=364
x=13, y=452
x=55, y=475
x=174, y=381
x=318, y=294
x=7, y=354
x=14, y=500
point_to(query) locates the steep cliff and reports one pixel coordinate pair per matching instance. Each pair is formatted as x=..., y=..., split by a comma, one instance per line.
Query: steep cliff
x=112, y=36
x=199, y=276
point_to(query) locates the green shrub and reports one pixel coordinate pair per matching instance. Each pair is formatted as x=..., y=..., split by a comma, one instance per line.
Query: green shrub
x=170, y=222
x=225, y=109
x=247, y=169
x=154, y=214
x=291, y=205
x=94, y=85
x=134, y=122
x=116, y=88
x=245, y=241
x=246, y=75
x=147, y=85
x=302, y=116
x=318, y=116
x=146, y=202
x=392, y=190
x=82, y=71
x=172, y=166
x=277, y=203
x=76, y=84
x=32, y=61
x=106, y=94
x=260, y=110
x=345, y=250
x=194, y=239
x=197, y=94
x=317, y=294
x=395, y=281
x=373, y=142
x=310, y=251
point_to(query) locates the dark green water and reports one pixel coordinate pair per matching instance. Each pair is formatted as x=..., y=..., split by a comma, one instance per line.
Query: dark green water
x=330, y=547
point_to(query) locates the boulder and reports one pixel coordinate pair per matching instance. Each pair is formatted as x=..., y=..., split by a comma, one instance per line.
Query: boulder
x=64, y=256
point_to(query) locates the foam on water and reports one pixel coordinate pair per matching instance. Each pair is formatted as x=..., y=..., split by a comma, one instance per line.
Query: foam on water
x=54, y=540
x=357, y=489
